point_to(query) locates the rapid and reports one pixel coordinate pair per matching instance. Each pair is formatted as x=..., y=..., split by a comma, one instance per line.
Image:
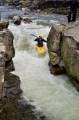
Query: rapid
x=53, y=95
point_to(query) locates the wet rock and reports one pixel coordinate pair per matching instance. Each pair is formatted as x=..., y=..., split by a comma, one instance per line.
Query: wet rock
x=6, y=53
x=53, y=44
x=2, y=68
x=6, y=37
x=10, y=17
x=56, y=69
x=26, y=20
x=17, y=20
x=70, y=51
x=3, y=25
x=26, y=10
x=12, y=85
x=11, y=111
x=63, y=48
x=13, y=106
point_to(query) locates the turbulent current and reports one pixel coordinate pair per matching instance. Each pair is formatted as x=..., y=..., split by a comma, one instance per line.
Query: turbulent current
x=54, y=95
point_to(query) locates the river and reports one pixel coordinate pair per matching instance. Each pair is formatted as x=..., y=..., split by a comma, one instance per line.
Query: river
x=53, y=95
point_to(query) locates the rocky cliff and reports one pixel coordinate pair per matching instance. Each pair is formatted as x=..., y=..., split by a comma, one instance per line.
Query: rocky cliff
x=38, y=3
x=63, y=48
x=70, y=52
x=12, y=105
x=7, y=52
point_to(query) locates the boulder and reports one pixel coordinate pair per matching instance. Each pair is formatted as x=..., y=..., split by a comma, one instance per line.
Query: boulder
x=3, y=25
x=70, y=51
x=13, y=106
x=26, y=20
x=7, y=52
x=2, y=67
x=12, y=86
x=63, y=49
x=56, y=69
x=53, y=44
x=17, y=20
x=6, y=42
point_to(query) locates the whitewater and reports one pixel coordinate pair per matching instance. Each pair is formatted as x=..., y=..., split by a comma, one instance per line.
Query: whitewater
x=54, y=95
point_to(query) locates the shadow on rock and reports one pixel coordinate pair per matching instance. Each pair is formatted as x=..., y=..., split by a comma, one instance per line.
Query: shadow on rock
x=12, y=85
x=13, y=106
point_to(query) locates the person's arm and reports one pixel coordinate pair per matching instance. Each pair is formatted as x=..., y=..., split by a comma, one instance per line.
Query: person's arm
x=36, y=39
x=44, y=40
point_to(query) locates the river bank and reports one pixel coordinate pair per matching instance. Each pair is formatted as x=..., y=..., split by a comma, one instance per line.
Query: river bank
x=54, y=95
x=13, y=106
x=12, y=103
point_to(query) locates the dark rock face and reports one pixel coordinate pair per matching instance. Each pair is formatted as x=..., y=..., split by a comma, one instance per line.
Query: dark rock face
x=56, y=69
x=63, y=50
x=42, y=4
x=2, y=2
x=7, y=52
x=26, y=20
x=70, y=52
x=13, y=106
x=2, y=69
x=38, y=3
x=17, y=20
x=12, y=86
x=7, y=40
x=53, y=43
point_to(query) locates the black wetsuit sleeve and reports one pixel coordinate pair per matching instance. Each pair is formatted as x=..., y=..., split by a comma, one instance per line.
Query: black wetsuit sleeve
x=44, y=40
x=36, y=39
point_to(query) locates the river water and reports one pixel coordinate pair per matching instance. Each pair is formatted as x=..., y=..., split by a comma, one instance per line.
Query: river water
x=53, y=95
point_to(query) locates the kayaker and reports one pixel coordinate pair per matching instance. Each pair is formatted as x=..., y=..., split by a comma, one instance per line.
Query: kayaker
x=40, y=41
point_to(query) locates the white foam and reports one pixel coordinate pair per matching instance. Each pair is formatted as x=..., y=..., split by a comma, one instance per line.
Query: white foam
x=55, y=95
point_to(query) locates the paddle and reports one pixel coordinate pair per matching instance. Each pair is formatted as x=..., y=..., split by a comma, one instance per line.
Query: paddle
x=33, y=35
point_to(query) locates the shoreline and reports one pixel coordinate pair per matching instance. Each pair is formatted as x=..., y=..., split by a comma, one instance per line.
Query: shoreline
x=15, y=107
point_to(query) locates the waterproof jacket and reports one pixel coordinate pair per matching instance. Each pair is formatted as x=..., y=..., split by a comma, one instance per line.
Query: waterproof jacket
x=40, y=41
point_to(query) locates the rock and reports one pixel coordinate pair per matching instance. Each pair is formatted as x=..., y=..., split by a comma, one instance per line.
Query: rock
x=12, y=111
x=13, y=106
x=63, y=48
x=26, y=10
x=2, y=68
x=17, y=20
x=6, y=53
x=12, y=86
x=70, y=51
x=56, y=69
x=3, y=25
x=6, y=38
x=26, y=20
x=10, y=17
x=9, y=65
x=54, y=58
x=9, y=49
x=53, y=44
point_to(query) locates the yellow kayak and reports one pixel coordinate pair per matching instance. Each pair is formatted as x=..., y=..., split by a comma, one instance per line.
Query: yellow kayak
x=41, y=50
